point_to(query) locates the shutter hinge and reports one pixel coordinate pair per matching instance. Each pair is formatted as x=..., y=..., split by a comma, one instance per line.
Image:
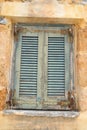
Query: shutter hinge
x=70, y=34
x=11, y=99
x=70, y=103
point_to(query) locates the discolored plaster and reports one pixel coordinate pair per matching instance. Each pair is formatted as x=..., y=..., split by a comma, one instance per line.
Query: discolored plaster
x=3, y=94
x=83, y=99
x=82, y=69
x=82, y=40
x=5, y=62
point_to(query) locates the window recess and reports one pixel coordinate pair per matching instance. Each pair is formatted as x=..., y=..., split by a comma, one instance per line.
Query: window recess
x=43, y=76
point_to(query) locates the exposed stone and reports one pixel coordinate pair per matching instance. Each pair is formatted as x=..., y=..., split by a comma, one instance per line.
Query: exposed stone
x=5, y=55
x=43, y=9
x=5, y=62
x=83, y=99
x=82, y=69
x=82, y=61
x=82, y=40
x=3, y=98
x=83, y=78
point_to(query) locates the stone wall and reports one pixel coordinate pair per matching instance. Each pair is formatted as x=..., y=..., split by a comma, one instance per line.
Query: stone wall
x=82, y=67
x=5, y=62
x=61, y=1
x=75, y=15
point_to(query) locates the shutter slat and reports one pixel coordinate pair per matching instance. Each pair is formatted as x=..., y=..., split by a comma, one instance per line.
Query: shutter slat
x=28, y=82
x=56, y=66
x=28, y=68
x=56, y=88
x=27, y=86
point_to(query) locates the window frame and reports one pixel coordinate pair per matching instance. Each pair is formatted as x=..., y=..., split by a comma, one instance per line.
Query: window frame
x=39, y=65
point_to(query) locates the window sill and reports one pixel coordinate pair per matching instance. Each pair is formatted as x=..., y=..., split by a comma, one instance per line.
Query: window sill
x=67, y=114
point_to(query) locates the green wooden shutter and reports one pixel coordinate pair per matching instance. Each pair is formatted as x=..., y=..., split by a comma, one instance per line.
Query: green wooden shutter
x=56, y=66
x=57, y=69
x=42, y=68
x=29, y=65
x=27, y=76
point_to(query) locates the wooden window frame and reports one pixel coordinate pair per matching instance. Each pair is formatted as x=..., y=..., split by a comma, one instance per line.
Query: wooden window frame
x=40, y=70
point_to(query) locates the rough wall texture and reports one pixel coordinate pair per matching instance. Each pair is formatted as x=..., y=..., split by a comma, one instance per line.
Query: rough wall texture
x=42, y=9
x=82, y=67
x=12, y=122
x=3, y=98
x=36, y=123
x=5, y=62
x=66, y=1
x=69, y=1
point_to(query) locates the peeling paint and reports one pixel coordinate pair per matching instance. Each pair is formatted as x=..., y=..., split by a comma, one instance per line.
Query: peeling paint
x=67, y=114
x=3, y=20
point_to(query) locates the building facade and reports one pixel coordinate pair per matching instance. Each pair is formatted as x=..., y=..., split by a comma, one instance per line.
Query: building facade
x=43, y=56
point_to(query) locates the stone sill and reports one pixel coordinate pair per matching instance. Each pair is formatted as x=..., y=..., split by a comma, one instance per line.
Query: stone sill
x=34, y=113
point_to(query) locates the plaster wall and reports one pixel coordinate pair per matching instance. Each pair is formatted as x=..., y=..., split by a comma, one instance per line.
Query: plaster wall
x=5, y=62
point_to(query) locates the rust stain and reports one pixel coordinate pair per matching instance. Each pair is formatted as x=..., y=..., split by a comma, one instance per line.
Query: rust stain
x=71, y=99
x=11, y=99
x=70, y=103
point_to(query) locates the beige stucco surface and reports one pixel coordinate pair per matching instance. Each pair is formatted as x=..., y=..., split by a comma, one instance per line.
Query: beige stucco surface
x=40, y=11
x=13, y=122
x=44, y=9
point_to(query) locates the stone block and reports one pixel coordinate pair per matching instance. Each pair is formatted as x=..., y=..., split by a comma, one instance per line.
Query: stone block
x=82, y=40
x=82, y=61
x=82, y=69
x=5, y=62
x=3, y=98
x=83, y=99
x=82, y=79
x=5, y=55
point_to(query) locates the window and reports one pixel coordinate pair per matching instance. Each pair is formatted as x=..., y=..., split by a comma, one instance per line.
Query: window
x=43, y=68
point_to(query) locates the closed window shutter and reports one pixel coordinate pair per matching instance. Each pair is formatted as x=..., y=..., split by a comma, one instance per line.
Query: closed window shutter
x=29, y=65
x=56, y=66
x=42, y=67
x=57, y=70
x=27, y=74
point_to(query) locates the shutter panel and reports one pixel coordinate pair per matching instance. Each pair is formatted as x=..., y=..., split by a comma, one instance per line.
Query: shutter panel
x=42, y=69
x=28, y=68
x=26, y=76
x=57, y=70
x=56, y=66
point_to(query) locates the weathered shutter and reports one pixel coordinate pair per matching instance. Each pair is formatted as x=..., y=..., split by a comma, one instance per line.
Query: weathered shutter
x=42, y=74
x=29, y=65
x=56, y=66
x=57, y=69
x=27, y=74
